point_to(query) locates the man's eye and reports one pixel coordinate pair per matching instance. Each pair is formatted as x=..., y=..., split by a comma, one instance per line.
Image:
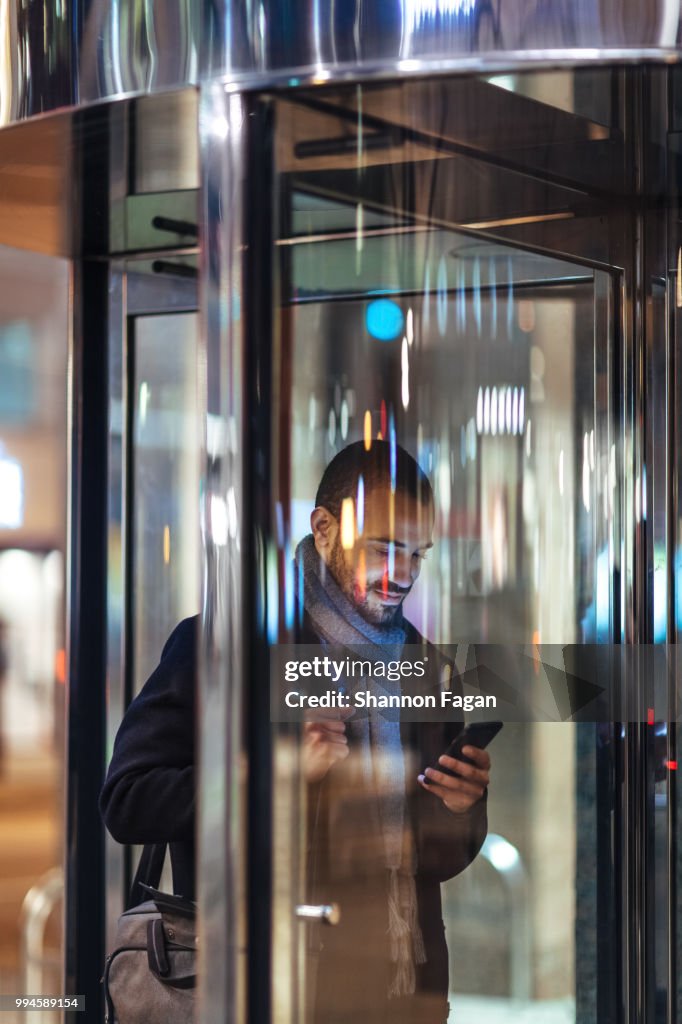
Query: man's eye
x=382, y=552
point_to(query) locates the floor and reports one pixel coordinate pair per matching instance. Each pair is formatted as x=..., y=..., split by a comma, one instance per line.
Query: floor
x=480, y=1010
x=30, y=826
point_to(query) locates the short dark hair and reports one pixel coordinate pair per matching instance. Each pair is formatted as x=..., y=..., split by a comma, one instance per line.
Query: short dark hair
x=341, y=477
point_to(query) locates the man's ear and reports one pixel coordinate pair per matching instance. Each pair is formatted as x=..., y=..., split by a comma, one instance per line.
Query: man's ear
x=325, y=528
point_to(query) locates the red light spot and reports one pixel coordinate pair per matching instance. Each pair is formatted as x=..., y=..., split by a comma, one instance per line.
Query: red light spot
x=60, y=666
x=671, y=765
x=362, y=576
x=650, y=716
x=384, y=582
x=383, y=418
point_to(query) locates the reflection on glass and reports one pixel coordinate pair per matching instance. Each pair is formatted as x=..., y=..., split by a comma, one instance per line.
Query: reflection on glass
x=166, y=482
x=437, y=298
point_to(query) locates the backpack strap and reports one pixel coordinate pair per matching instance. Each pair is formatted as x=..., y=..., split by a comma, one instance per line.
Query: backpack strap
x=148, y=872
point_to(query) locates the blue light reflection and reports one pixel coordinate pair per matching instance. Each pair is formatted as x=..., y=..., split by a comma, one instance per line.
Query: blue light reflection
x=384, y=319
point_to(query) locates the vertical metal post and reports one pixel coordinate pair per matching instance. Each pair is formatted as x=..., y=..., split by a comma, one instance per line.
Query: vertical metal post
x=87, y=575
x=223, y=779
x=88, y=433
x=637, y=862
x=117, y=857
x=264, y=425
x=645, y=915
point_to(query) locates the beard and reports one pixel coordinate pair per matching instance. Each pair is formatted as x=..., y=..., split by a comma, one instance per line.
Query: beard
x=377, y=614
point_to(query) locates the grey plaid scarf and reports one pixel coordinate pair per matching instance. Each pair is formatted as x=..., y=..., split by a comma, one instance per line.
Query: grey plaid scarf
x=376, y=739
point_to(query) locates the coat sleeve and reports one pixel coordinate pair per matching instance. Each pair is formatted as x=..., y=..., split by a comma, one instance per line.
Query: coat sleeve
x=148, y=795
x=446, y=842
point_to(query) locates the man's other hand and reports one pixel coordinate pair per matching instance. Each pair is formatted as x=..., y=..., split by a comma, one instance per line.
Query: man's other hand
x=324, y=743
x=459, y=794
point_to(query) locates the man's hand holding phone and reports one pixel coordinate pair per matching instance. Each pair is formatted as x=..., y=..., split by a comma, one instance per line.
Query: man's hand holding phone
x=463, y=771
x=459, y=792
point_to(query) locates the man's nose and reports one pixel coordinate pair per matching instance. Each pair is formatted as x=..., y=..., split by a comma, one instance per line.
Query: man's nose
x=404, y=572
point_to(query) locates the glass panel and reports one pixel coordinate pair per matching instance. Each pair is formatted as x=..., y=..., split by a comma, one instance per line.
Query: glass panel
x=445, y=320
x=34, y=342
x=166, y=483
x=165, y=143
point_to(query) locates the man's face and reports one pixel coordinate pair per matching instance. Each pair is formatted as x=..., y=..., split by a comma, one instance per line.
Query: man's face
x=377, y=566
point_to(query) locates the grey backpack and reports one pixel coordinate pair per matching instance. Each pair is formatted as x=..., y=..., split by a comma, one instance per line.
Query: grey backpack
x=149, y=976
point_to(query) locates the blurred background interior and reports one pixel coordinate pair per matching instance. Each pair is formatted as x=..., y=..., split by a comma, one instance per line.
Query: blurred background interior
x=33, y=461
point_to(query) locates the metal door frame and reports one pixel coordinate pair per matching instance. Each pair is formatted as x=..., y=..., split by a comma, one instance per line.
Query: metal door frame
x=230, y=144
x=130, y=296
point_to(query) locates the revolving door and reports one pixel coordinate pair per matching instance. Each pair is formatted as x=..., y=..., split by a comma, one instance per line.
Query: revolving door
x=482, y=271
x=448, y=231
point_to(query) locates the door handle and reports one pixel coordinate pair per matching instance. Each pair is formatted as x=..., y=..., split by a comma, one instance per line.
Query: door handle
x=328, y=913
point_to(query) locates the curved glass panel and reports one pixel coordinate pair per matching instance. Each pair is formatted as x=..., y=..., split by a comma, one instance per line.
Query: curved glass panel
x=166, y=483
x=445, y=454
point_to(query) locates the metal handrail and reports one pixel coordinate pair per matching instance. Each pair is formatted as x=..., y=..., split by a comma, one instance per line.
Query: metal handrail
x=38, y=904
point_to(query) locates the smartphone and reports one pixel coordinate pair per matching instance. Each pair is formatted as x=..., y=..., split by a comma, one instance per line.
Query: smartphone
x=476, y=734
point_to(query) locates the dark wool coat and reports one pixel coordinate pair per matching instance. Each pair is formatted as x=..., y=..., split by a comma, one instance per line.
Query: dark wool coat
x=148, y=797
x=346, y=865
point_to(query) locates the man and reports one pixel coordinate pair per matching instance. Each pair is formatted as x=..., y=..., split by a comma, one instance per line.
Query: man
x=385, y=827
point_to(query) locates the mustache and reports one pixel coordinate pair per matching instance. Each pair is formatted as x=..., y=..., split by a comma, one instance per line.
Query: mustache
x=393, y=589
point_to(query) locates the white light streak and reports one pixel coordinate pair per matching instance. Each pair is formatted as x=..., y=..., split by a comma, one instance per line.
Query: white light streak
x=471, y=440
x=218, y=521
x=232, y=516
x=145, y=395
x=344, y=419
x=409, y=327
x=361, y=505
x=644, y=493
x=442, y=296
x=586, y=472
x=499, y=410
x=592, y=450
x=444, y=488
x=638, y=493
x=417, y=12
x=11, y=494
x=405, y=375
